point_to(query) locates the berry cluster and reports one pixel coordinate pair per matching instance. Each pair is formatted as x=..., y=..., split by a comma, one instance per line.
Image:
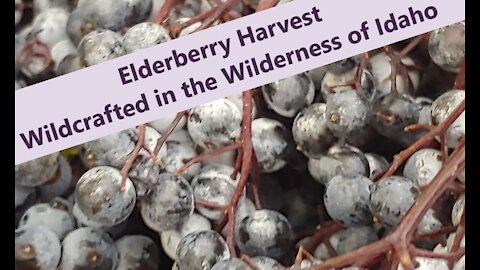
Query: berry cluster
x=355, y=165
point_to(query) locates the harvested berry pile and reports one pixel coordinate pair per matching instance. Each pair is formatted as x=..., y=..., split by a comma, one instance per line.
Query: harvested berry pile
x=359, y=164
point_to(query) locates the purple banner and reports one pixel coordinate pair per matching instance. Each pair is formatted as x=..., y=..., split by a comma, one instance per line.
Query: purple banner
x=217, y=62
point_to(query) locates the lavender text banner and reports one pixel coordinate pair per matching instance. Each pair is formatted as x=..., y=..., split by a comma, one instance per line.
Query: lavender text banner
x=217, y=62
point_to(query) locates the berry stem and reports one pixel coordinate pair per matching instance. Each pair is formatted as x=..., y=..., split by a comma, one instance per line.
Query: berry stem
x=256, y=181
x=324, y=232
x=266, y=5
x=397, y=65
x=444, y=147
x=231, y=14
x=231, y=231
x=386, y=263
x=456, y=189
x=219, y=11
x=177, y=28
x=442, y=231
x=206, y=155
x=209, y=204
x=361, y=68
x=164, y=11
x=249, y=262
x=460, y=79
x=394, y=65
x=330, y=249
x=170, y=130
x=430, y=254
x=302, y=253
x=153, y=156
x=403, y=68
x=458, y=237
x=394, y=265
x=128, y=164
x=238, y=163
x=246, y=162
x=299, y=257
x=364, y=253
x=415, y=127
x=247, y=155
x=414, y=43
x=248, y=4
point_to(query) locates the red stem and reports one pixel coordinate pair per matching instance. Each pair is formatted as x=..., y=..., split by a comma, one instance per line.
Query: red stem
x=164, y=11
x=231, y=231
x=206, y=155
x=238, y=164
x=170, y=130
x=256, y=181
x=266, y=4
x=400, y=158
x=442, y=231
x=219, y=11
x=430, y=254
x=460, y=79
x=209, y=204
x=129, y=163
x=246, y=161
